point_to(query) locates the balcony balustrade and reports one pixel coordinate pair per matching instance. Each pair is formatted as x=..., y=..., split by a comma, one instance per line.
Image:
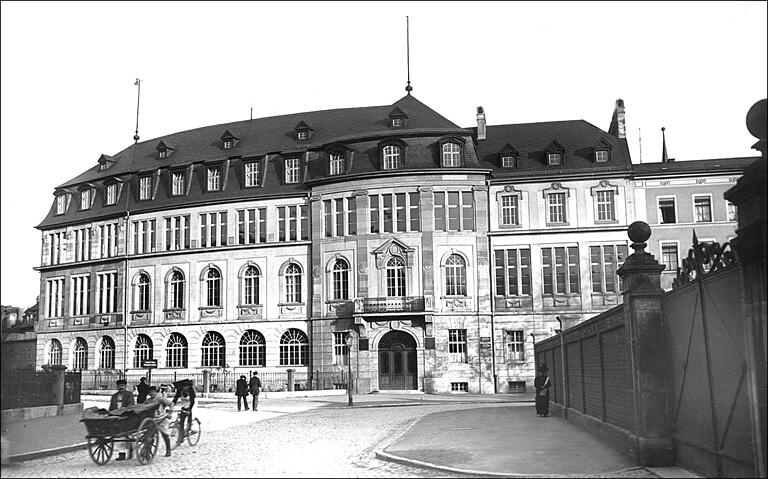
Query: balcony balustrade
x=390, y=304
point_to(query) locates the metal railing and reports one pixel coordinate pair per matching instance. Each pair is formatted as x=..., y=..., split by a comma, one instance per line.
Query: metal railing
x=391, y=304
x=21, y=389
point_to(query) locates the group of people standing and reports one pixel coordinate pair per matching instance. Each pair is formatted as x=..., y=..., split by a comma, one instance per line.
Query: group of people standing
x=152, y=395
x=243, y=388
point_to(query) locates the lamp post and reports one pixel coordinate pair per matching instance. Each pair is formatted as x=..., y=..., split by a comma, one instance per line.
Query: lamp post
x=349, y=368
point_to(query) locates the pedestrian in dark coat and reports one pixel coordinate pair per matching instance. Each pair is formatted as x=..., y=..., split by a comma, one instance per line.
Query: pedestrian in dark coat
x=142, y=388
x=542, y=384
x=241, y=391
x=255, y=386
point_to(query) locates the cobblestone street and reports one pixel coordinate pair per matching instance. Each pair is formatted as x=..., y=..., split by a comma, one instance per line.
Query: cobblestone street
x=321, y=442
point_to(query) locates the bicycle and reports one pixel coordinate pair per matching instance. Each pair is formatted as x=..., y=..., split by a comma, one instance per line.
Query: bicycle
x=192, y=432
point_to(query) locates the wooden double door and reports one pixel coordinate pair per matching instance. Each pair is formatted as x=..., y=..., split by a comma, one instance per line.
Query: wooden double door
x=397, y=361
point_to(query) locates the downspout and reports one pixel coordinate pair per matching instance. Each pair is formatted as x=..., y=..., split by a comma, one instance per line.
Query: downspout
x=563, y=370
x=125, y=293
x=491, y=292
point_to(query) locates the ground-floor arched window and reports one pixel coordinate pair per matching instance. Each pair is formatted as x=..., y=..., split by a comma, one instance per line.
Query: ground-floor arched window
x=294, y=348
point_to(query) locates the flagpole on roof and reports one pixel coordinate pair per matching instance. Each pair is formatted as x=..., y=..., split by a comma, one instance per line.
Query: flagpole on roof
x=408, y=87
x=138, y=97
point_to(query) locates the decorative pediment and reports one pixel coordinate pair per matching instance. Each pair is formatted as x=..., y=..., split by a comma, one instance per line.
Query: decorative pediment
x=601, y=144
x=508, y=150
x=393, y=247
x=397, y=113
x=554, y=147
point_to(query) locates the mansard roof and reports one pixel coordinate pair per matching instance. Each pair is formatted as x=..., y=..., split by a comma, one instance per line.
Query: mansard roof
x=695, y=167
x=532, y=140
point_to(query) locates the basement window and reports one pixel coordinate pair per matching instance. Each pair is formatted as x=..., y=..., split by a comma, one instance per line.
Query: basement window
x=459, y=387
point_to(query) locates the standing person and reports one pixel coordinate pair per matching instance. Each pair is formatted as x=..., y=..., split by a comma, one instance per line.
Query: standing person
x=122, y=398
x=241, y=391
x=161, y=402
x=143, y=389
x=542, y=384
x=185, y=394
x=255, y=386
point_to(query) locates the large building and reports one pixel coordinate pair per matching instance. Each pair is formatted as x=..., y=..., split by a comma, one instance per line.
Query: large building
x=440, y=253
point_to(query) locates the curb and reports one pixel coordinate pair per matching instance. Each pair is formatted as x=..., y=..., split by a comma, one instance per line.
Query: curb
x=385, y=456
x=433, y=403
x=46, y=452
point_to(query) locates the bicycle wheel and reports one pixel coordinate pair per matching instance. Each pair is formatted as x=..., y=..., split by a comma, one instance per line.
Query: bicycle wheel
x=193, y=433
x=173, y=432
x=147, y=439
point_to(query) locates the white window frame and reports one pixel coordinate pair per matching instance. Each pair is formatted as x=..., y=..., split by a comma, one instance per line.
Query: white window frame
x=336, y=163
x=302, y=135
x=708, y=196
x=54, y=294
x=457, y=345
x=177, y=183
x=551, y=157
x=111, y=194
x=85, y=199
x=61, y=204
x=340, y=349
x=106, y=292
x=294, y=348
x=508, y=161
x=145, y=187
x=601, y=156
x=451, y=154
x=214, y=178
x=291, y=170
x=515, y=344
x=660, y=216
x=392, y=157
x=228, y=144
x=608, y=206
x=80, y=295
x=560, y=210
x=509, y=213
x=455, y=275
x=252, y=174
x=663, y=261
x=397, y=122
x=252, y=349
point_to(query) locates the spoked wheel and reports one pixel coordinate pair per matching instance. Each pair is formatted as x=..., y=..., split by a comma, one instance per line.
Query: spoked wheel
x=100, y=449
x=173, y=432
x=147, y=439
x=193, y=434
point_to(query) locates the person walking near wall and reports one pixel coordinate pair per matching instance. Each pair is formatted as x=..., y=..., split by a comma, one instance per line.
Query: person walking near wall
x=542, y=383
x=142, y=388
x=241, y=391
x=255, y=386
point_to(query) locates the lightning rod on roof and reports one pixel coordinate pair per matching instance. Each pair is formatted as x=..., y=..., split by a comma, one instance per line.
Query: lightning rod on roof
x=138, y=97
x=408, y=87
x=640, y=144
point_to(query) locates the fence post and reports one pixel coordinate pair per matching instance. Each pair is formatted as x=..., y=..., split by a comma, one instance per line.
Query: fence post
x=291, y=373
x=58, y=384
x=648, y=352
x=206, y=382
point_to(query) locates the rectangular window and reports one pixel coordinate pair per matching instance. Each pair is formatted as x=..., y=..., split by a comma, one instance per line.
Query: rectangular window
x=731, y=211
x=61, y=204
x=251, y=174
x=556, y=208
x=177, y=183
x=667, y=213
x=292, y=170
x=510, y=215
x=560, y=270
x=457, y=345
x=112, y=194
x=177, y=232
x=440, y=211
x=54, y=293
x=702, y=209
x=605, y=261
x=601, y=156
x=386, y=213
x=374, y=210
x=304, y=221
x=145, y=187
x=336, y=165
x=454, y=211
x=414, y=211
x=458, y=387
x=106, y=293
x=554, y=158
x=213, y=229
x=108, y=239
x=293, y=223
x=144, y=239
x=81, y=294
x=515, y=345
x=55, y=242
x=352, y=216
x=214, y=178
x=513, y=272
x=340, y=353
x=328, y=217
x=605, y=207
x=400, y=223
x=507, y=161
x=85, y=199
x=338, y=204
x=251, y=226
x=669, y=256
x=82, y=244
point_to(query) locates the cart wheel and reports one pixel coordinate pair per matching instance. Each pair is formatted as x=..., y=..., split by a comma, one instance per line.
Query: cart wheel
x=147, y=439
x=193, y=434
x=173, y=433
x=100, y=449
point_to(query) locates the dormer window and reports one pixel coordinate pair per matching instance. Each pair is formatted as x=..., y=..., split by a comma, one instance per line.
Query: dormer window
x=162, y=154
x=85, y=199
x=177, y=183
x=228, y=140
x=303, y=135
x=555, y=154
x=554, y=158
x=163, y=150
x=228, y=144
x=397, y=118
x=336, y=163
x=391, y=157
x=111, y=194
x=602, y=150
x=601, y=156
x=105, y=162
x=303, y=131
x=251, y=174
x=508, y=157
x=291, y=170
x=397, y=122
x=145, y=187
x=451, y=154
x=214, y=178
x=61, y=204
x=509, y=161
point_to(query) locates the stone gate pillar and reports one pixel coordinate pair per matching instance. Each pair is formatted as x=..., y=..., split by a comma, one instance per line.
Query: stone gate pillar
x=648, y=352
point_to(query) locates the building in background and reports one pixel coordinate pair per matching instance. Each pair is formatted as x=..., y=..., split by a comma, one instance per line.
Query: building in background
x=18, y=338
x=440, y=254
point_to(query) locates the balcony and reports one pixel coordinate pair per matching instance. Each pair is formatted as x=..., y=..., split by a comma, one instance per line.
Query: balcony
x=390, y=304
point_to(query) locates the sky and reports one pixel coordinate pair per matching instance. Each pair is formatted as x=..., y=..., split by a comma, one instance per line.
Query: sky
x=68, y=73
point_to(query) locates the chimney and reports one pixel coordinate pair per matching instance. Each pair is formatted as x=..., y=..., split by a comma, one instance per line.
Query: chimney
x=618, y=127
x=480, y=123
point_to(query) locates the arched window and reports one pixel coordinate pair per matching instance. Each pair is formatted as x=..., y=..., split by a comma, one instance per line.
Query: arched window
x=293, y=283
x=54, y=352
x=212, y=286
x=213, y=350
x=107, y=353
x=176, y=290
x=80, y=355
x=253, y=349
x=391, y=155
x=451, y=154
x=250, y=286
x=142, y=350
x=143, y=286
x=340, y=279
x=396, y=276
x=176, y=353
x=294, y=348
x=455, y=276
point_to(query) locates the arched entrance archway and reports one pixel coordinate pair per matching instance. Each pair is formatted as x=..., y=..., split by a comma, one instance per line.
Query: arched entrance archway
x=397, y=361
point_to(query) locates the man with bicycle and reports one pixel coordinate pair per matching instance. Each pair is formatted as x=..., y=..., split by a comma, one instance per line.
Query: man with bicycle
x=185, y=395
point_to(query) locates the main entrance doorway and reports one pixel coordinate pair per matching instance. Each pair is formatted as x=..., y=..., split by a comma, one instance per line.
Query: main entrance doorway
x=397, y=361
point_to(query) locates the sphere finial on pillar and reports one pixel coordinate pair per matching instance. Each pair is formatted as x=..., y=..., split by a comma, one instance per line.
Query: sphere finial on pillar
x=639, y=232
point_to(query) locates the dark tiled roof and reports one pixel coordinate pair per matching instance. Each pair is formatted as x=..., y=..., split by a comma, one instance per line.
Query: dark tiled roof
x=694, y=166
x=530, y=140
